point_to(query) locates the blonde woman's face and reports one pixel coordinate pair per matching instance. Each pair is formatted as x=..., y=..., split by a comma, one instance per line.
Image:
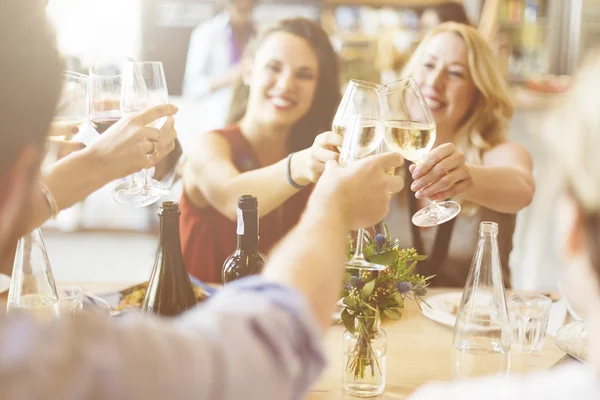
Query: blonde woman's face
x=444, y=78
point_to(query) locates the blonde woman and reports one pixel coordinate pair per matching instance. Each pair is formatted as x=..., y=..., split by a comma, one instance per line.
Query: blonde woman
x=472, y=159
x=577, y=168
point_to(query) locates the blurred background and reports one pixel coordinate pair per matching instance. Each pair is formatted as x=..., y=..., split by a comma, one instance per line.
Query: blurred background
x=539, y=44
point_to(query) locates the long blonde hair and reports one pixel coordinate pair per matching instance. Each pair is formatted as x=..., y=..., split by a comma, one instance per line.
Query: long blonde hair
x=486, y=122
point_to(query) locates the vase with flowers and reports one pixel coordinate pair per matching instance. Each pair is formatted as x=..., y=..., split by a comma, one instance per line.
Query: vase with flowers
x=368, y=296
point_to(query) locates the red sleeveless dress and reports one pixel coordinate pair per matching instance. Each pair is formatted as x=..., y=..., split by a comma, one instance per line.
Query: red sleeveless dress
x=208, y=237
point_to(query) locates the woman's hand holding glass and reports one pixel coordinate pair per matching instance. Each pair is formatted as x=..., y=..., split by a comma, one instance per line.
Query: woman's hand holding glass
x=442, y=174
x=130, y=145
x=309, y=164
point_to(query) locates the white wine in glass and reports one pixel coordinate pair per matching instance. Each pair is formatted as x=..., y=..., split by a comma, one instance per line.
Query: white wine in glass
x=360, y=98
x=410, y=131
x=412, y=140
x=364, y=138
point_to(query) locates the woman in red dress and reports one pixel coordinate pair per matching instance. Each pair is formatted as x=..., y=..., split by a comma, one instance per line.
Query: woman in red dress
x=273, y=149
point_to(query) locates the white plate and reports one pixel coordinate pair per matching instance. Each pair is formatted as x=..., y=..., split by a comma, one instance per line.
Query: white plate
x=443, y=307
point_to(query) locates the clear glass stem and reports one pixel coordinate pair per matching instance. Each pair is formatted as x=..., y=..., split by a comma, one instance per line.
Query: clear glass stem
x=358, y=253
x=147, y=180
x=435, y=208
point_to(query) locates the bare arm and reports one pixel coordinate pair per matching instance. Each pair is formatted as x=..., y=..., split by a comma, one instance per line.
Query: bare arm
x=122, y=150
x=503, y=183
x=211, y=177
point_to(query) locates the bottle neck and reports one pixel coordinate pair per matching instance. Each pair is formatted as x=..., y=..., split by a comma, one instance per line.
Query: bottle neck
x=247, y=230
x=169, y=231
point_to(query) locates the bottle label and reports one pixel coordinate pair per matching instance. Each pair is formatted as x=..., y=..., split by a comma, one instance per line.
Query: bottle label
x=240, y=220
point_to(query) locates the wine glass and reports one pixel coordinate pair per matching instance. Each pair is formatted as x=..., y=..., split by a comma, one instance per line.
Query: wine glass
x=410, y=131
x=144, y=86
x=106, y=79
x=364, y=136
x=72, y=111
x=360, y=97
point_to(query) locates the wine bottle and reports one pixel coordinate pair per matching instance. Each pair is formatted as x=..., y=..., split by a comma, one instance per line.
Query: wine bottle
x=246, y=259
x=170, y=291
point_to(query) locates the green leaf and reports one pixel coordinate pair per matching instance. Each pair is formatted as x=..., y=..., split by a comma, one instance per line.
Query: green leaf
x=399, y=300
x=420, y=258
x=350, y=302
x=348, y=320
x=393, y=314
x=386, y=232
x=368, y=252
x=387, y=258
x=367, y=289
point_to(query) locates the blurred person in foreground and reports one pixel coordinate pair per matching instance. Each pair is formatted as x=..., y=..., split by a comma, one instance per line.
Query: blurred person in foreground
x=471, y=159
x=273, y=148
x=573, y=132
x=258, y=338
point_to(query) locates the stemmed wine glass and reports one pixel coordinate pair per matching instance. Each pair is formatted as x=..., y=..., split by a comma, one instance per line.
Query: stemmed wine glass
x=144, y=86
x=358, y=110
x=72, y=111
x=410, y=131
x=360, y=98
x=105, y=82
x=364, y=137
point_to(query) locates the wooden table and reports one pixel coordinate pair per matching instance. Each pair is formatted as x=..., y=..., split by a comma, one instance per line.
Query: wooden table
x=419, y=351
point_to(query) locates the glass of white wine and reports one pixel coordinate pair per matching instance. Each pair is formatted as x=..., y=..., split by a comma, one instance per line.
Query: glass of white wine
x=410, y=131
x=360, y=98
x=144, y=86
x=364, y=137
x=71, y=113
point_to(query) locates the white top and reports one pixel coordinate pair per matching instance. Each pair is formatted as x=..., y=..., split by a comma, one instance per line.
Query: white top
x=569, y=382
x=209, y=54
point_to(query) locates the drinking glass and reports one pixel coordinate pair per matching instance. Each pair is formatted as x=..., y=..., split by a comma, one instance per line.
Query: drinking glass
x=70, y=300
x=144, y=86
x=72, y=111
x=363, y=137
x=360, y=98
x=105, y=80
x=529, y=314
x=410, y=131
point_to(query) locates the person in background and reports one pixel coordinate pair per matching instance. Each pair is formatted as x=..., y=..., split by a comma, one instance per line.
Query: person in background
x=471, y=159
x=391, y=60
x=258, y=338
x=449, y=11
x=577, y=166
x=214, y=60
x=288, y=95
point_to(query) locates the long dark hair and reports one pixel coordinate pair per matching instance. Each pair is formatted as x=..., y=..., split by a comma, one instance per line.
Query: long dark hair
x=327, y=95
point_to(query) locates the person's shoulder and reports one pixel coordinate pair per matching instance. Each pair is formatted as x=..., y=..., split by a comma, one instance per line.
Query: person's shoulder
x=213, y=26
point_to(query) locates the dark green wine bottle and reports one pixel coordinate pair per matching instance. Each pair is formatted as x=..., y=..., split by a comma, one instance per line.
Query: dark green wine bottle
x=246, y=259
x=170, y=291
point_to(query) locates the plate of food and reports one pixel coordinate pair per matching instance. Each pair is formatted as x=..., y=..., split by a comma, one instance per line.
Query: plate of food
x=132, y=298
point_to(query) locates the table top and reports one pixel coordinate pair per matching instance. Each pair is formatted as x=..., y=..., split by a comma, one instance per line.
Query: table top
x=419, y=351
